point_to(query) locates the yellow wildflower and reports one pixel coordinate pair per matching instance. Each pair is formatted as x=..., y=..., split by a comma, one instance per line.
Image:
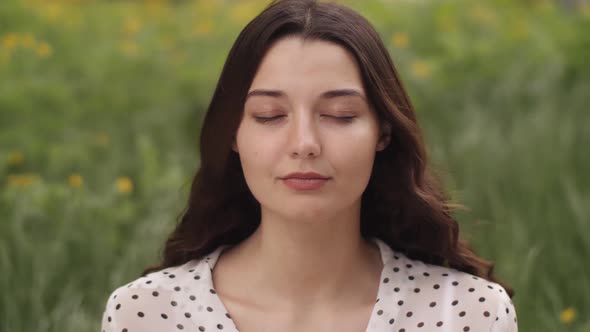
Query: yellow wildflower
x=400, y=40
x=129, y=48
x=446, y=23
x=15, y=158
x=102, y=139
x=242, y=12
x=421, y=69
x=483, y=14
x=124, y=185
x=28, y=40
x=544, y=5
x=9, y=41
x=75, y=180
x=208, y=7
x=203, y=28
x=23, y=180
x=132, y=26
x=568, y=315
x=52, y=11
x=44, y=50
x=519, y=30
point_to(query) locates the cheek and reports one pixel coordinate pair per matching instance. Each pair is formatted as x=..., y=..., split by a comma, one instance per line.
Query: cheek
x=257, y=154
x=354, y=154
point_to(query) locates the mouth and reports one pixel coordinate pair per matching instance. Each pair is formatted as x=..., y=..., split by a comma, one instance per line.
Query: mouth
x=306, y=176
x=305, y=184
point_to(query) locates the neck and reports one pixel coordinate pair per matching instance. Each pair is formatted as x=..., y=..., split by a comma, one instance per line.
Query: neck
x=306, y=264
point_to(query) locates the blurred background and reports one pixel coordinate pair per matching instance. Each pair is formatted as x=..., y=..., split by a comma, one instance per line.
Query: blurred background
x=101, y=104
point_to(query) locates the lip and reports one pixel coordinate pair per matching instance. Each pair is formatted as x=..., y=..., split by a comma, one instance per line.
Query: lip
x=305, y=175
x=305, y=181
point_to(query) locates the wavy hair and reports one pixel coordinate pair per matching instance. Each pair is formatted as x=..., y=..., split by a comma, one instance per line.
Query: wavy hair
x=403, y=204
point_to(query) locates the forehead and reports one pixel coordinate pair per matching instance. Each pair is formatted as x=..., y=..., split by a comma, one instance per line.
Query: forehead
x=307, y=67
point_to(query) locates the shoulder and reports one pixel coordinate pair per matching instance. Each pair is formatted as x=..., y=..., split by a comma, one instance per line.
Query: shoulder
x=159, y=301
x=452, y=298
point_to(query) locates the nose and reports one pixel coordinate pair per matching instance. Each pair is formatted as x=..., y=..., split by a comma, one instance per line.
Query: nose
x=304, y=139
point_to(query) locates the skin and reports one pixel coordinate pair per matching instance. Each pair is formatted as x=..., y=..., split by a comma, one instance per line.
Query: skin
x=306, y=266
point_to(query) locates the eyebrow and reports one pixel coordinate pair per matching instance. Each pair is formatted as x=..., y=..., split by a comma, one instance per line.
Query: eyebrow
x=325, y=95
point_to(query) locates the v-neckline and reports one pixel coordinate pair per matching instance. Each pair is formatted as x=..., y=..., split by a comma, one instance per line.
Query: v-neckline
x=386, y=254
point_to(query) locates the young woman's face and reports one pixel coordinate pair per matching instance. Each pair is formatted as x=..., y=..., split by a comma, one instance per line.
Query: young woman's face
x=307, y=111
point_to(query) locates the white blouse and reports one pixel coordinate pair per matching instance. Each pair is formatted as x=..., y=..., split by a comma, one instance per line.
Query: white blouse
x=412, y=296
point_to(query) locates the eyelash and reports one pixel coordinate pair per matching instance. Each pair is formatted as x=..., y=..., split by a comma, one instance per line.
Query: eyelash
x=345, y=119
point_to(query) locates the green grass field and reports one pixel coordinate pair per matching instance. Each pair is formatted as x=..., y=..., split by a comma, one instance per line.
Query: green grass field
x=101, y=103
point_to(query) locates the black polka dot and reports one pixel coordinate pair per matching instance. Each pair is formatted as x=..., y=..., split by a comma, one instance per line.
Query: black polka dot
x=414, y=298
x=124, y=330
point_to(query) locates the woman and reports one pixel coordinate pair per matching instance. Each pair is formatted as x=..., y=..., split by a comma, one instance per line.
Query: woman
x=314, y=208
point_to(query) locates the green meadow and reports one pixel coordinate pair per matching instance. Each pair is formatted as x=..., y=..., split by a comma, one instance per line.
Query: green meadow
x=101, y=104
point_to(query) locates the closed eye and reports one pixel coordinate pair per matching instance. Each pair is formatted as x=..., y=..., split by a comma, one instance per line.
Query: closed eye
x=342, y=118
x=267, y=119
x=346, y=119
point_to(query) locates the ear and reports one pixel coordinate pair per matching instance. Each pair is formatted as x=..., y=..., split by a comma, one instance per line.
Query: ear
x=385, y=137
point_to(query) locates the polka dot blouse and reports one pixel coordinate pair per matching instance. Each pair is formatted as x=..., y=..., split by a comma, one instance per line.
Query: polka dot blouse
x=412, y=296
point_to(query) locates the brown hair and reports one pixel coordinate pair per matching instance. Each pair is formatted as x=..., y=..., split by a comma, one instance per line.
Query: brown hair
x=403, y=203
